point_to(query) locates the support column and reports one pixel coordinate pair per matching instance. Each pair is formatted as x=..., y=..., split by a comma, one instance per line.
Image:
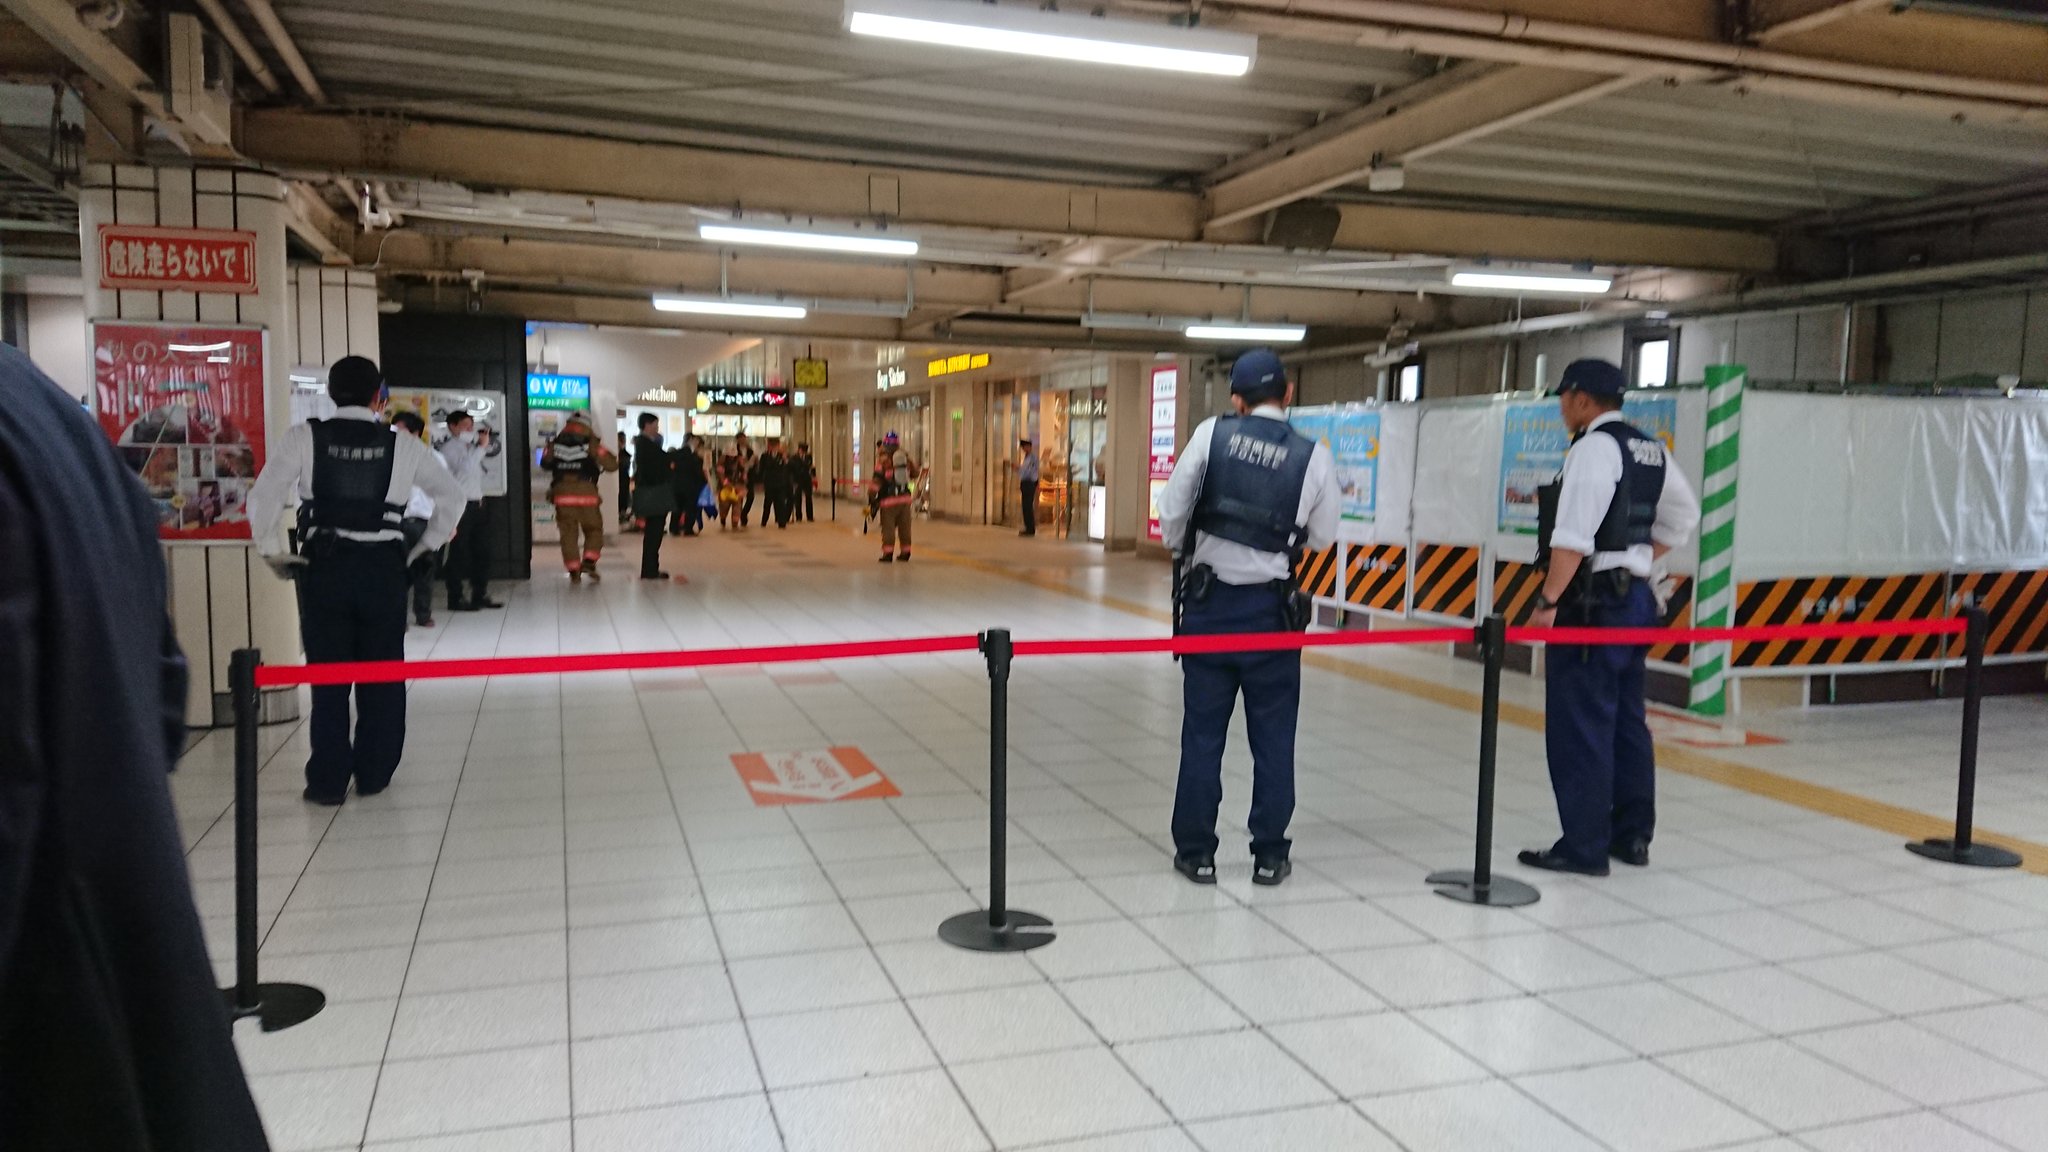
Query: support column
x=1714, y=598
x=222, y=597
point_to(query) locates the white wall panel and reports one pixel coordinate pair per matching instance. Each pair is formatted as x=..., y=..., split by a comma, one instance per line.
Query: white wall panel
x=1766, y=345
x=1701, y=343
x=1912, y=335
x=1793, y=487
x=2034, y=350
x=1457, y=471
x=1818, y=353
x=1982, y=335
x=2002, y=509
x=306, y=316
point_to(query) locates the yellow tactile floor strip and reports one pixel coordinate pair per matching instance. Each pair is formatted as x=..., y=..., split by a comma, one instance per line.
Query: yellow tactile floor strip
x=1903, y=822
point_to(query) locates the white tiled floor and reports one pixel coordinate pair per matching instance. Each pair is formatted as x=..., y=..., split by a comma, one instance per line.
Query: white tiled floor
x=566, y=926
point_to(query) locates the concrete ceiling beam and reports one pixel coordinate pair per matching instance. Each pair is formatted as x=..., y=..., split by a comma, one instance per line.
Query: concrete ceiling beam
x=337, y=144
x=1406, y=125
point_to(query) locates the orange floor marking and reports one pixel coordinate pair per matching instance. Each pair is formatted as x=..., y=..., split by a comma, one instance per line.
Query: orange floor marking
x=811, y=777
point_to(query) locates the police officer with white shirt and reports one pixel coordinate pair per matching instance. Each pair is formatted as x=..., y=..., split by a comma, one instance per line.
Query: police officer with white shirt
x=1247, y=493
x=353, y=477
x=468, y=559
x=1615, y=510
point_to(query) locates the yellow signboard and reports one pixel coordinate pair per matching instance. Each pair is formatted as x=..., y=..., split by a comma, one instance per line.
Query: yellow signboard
x=809, y=374
x=964, y=362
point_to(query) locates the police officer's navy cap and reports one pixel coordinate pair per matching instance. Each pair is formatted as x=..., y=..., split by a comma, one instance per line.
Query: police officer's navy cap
x=1258, y=370
x=1594, y=378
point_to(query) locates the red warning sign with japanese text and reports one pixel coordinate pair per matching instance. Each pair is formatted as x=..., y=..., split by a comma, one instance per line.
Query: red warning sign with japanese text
x=135, y=256
x=775, y=778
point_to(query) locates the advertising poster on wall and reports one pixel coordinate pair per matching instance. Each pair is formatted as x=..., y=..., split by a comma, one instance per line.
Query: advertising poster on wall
x=1165, y=431
x=1533, y=444
x=184, y=404
x=1355, y=444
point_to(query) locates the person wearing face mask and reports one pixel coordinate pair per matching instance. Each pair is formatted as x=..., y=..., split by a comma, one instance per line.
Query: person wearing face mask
x=654, y=494
x=467, y=561
x=353, y=477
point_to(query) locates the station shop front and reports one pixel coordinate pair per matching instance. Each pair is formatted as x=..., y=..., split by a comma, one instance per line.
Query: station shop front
x=964, y=416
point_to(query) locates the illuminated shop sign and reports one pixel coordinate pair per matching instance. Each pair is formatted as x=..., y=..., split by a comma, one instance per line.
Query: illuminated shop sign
x=545, y=390
x=810, y=373
x=964, y=362
x=887, y=378
x=742, y=398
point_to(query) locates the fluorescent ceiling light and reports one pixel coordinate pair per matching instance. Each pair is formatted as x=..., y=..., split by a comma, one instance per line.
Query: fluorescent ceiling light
x=1533, y=282
x=1249, y=333
x=718, y=306
x=1054, y=35
x=813, y=241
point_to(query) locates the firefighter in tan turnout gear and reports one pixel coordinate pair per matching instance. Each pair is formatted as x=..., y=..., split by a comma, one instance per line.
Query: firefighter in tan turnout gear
x=575, y=459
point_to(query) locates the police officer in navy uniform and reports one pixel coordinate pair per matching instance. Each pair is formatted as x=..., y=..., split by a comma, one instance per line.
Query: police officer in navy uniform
x=1247, y=493
x=1615, y=510
x=353, y=477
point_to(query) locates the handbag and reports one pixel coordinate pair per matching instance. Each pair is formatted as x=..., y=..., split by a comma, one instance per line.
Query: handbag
x=707, y=499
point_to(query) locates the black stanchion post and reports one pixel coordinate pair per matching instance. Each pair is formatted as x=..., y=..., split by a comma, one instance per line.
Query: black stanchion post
x=1960, y=849
x=279, y=1006
x=1480, y=885
x=1001, y=929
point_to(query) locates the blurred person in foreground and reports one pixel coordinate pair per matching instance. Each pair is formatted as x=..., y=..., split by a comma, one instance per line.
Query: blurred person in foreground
x=113, y=1035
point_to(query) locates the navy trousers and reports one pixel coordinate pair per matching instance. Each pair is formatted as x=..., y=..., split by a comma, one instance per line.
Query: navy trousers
x=1271, y=684
x=352, y=607
x=1602, y=766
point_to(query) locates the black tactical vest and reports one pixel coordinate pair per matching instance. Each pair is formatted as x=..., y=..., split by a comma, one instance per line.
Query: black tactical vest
x=1632, y=513
x=1251, y=493
x=574, y=459
x=352, y=462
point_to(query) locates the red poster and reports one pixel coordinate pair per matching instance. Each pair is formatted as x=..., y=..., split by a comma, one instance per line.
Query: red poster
x=177, y=259
x=184, y=404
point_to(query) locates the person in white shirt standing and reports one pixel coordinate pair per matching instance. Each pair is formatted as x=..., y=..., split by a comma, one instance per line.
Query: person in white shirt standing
x=1615, y=510
x=352, y=477
x=468, y=559
x=419, y=510
x=1247, y=493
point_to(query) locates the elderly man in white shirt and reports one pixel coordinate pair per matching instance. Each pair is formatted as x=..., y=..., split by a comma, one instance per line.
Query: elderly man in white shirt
x=1247, y=493
x=1620, y=505
x=353, y=477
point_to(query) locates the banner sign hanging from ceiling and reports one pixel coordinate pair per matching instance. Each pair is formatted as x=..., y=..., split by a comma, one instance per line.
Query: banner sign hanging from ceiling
x=177, y=259
x=810, y=373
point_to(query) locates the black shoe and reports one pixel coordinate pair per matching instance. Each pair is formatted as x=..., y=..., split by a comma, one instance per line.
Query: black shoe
x=887, y=559
x=656, y=576
x=1550, y=861
x=324, y=800
x=459, y=606
x=1268, y=872
x=1635, y=853
x=903, y=558
x=363, y=789
x=487, y=602
x=423, y=622
x=1200, y=869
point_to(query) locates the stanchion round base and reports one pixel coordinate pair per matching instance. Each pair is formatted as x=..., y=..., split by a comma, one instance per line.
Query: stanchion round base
x=1020, y=932
x=1499, y=892
x=278, y=1006
x=1976, y=855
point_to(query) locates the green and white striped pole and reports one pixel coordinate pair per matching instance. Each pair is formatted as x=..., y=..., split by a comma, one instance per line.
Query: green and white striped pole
x=1714, y=592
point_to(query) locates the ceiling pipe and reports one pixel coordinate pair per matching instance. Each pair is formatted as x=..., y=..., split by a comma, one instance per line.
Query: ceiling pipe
x=1817, y=19
x=1556, y=43
x=273, y=28
x=239, y=41
x=1854, y=288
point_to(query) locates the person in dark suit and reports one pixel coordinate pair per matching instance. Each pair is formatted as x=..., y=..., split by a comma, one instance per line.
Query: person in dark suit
x=654, y=495
x=691, y=479
x=804, y=475
x=113, y=1036
x=625, y=483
